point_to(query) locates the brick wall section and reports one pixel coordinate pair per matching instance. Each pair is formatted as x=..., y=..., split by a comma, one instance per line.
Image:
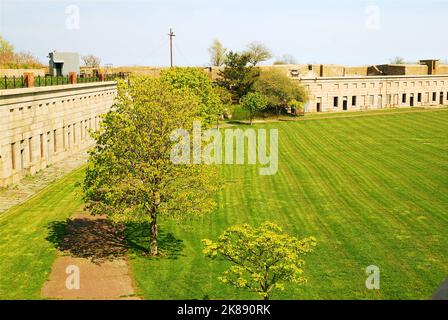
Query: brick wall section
x=29, y=79
x=72, y=78
x=42, y=125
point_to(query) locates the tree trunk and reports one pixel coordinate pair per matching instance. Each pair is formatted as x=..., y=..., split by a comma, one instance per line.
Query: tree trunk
x=153, y=239
x=265, y=285
x=154, y=229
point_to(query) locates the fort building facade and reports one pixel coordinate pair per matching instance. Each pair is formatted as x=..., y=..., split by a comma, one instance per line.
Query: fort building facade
x=330, y=94
x=333, y=88
x=42, y=125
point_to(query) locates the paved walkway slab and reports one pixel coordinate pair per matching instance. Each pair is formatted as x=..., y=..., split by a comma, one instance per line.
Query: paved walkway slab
x=29, y=186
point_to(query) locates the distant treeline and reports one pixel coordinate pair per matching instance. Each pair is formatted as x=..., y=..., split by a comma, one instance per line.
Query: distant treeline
x=9, y=59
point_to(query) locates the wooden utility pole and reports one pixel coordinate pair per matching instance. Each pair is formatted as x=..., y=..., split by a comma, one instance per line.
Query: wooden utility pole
x=171, y=34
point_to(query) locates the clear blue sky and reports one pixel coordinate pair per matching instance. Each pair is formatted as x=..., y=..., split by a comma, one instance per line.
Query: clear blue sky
x=134, y=32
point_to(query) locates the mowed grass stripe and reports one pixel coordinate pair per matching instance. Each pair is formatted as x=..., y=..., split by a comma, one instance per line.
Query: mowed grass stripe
x=371, y=214
x=334, y=251
x=394, y=162
x=384, y=160
x=332, y=189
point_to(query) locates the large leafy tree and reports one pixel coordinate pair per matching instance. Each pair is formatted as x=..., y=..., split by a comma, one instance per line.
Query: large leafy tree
x=254, y=102
x=263, y=259
x=238, y=75
x=130, y=175
x=279, y=89
x=217, y=53
x=197, y=81
x=258, y=52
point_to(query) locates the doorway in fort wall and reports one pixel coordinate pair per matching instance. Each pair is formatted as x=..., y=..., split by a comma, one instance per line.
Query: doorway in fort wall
x=319, y=104
x=345, y=103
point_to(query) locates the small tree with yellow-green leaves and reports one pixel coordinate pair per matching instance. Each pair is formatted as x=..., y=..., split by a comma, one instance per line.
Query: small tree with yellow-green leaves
x=263, y=259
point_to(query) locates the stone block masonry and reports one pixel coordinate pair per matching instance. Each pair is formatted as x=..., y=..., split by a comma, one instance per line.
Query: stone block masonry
x=42, y=125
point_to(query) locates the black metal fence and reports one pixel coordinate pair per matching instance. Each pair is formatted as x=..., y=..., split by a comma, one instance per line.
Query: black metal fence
x=12, y=82
x=39, y=81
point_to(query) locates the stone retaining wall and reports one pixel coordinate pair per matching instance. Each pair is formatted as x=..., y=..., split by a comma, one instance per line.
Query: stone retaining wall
x=42, y=125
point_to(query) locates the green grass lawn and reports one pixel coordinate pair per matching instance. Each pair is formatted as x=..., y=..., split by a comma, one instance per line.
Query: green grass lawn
x=241, y=115
x=26, y=256
x=373, y=190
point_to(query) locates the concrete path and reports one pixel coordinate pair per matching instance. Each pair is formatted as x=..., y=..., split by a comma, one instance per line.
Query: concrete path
x=91, y=264
x=105, y=281
x=29, y=186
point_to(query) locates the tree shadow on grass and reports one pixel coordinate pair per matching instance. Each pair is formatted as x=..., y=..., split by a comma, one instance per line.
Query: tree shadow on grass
x=137, y=236
x=239, y=122
x=94, y=239
x=100, y=240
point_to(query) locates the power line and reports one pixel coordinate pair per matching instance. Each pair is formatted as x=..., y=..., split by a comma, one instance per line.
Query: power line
x=157, y=45
x=184, y=57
